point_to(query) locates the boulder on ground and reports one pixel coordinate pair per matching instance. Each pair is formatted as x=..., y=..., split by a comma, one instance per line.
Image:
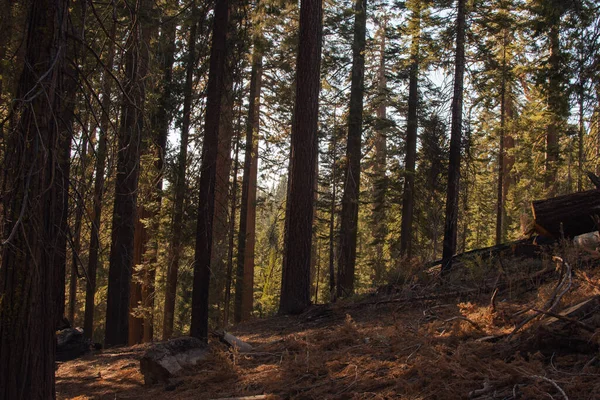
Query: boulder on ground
x=71, y=344
x=166, y=360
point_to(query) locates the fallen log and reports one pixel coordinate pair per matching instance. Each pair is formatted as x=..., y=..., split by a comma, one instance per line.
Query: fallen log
x=518, y=248
x=166, y=360
x=569, y=215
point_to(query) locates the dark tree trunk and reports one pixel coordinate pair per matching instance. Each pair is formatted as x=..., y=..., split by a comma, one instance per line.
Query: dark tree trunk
x=31, y=284
x=295, y=284
x=199, y=325
x=220, y=223
x=379, y=169
x=349, y=217
x=452, y=194
x=128, y=159
x=332, y=211
x=90, y=291
x=246, y=239
x=233, y=196
x=180, y=184
x=408, y=197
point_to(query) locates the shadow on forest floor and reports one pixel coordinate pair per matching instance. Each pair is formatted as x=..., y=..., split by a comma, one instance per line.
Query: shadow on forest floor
x=434, y=341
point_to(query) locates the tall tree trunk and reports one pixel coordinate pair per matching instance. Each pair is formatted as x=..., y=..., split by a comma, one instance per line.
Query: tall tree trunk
x=349, y=222
x=202, y=257
x=581, y=104
x=90, y=291
x=233, y=205
x=408, y=197
x=500, y=209
x=245, y=261
x=162, y=117
x=144, y=250
x=332, y=210
x=77, y=228
x=554, y=108
x=128, y=159
x=180, y=183
x=379, y=169
x=31, y=279
x=295, y=284
x=140, y=238
x=452, y=194
x=220, y=223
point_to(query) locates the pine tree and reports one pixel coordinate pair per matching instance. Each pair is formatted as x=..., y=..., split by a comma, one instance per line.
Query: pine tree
x=295, y=285
x=202, y=258
x=349, y=216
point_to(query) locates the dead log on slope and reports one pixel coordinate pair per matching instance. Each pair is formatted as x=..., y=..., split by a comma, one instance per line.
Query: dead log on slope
x=569, y=215
x=518, y=248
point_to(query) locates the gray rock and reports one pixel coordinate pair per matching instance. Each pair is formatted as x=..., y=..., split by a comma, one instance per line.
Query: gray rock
x=166, y=360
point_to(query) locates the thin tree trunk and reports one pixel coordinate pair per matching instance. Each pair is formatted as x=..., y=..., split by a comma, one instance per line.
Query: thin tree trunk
x=245, y=261
x=199, y=325
x=90, y=292
x=78, y=219
x=500, y=213
x=161, y=121
x=128, y=159
x=295, y=284
x=349, y=221
x=554, y=101
x=233, y=197
x=379, y=169
x=408, y=197
x=31, y=279
x=140, y=238
x=451, y=224
x=332, y=211
x=180, y=184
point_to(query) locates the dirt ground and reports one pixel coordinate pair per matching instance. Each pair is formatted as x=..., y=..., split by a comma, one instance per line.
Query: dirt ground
x=413, y=341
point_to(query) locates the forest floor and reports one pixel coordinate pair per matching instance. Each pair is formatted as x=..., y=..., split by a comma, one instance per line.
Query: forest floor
x=429, y=338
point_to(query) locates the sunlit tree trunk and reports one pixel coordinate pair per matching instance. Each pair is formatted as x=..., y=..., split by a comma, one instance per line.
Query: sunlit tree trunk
x=245, y=261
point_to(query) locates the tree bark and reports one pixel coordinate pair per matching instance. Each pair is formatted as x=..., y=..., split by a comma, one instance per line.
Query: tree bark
x=180, y=184
x=30, y=274
x=569, y=215
x=295, y=284
x=128, y=159
x=408, y=200
x=246, y=239
x=452, y=194
x=199, y=325
x=349, y=216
